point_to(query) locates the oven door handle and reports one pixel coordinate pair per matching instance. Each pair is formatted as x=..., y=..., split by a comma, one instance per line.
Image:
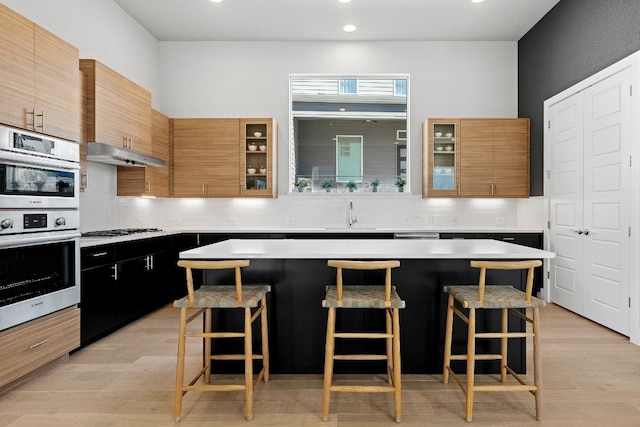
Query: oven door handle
x=16, y=240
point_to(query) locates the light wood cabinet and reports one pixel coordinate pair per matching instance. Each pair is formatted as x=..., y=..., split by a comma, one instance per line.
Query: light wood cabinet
x=118, y=111
x=206, y=160
x=476, y=158
x=258, y=158
x=39, y=83
x=494, y=158
x=149, y=181
x=29, y=346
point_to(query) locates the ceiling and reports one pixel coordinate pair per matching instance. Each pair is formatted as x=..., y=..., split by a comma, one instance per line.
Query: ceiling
x=322, y=20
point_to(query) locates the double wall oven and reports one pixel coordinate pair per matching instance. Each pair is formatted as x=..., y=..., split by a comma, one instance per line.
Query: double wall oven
x=39, y=225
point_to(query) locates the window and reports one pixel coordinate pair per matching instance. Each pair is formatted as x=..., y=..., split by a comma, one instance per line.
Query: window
x=330, y=129
x=400, y=87
x=348, y=86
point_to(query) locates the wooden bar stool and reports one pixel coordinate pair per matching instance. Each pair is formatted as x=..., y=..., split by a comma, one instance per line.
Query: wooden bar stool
x=364, y=296
x=508, y=300
x=221, y=296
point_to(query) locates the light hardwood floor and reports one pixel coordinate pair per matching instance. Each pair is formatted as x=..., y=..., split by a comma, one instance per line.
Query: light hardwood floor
x=591, y=378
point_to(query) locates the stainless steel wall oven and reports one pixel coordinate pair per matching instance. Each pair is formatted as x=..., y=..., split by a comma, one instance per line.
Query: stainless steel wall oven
x=39, y=226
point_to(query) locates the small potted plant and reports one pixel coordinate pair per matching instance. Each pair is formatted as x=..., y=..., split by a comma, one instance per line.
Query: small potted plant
x=327, y=185
x=253, y=146
x=301, y=185
x=263, y=170
x=251, y=170
x=400, y=183
x=352, y=185
x=374, y=184
x=262, y=146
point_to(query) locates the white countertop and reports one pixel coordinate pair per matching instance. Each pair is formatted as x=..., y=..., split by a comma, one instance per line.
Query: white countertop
x=364, y=249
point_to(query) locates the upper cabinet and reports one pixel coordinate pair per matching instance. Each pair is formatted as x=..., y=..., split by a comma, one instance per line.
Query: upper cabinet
x=149, y=181
x=489, y=158
x=206, y=159
x=39, y=82
x=118, y=111
x=258, y=157
x=441, y=158
x=224, y=158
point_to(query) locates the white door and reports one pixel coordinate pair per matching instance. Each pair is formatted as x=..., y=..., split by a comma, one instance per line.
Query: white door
x=566, y=202
x=589, y=201
x=607, y=180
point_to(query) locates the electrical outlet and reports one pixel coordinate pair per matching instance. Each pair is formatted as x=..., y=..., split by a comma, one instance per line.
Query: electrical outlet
x=289, y=221
x=232, y=220
x=140, y=221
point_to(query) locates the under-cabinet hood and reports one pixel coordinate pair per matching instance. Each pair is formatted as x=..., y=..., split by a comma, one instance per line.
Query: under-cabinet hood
x=105, y=153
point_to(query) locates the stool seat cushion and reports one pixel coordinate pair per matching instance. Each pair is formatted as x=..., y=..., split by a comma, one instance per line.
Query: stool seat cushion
x=361, y=296
x=224, y=296
x=495, y=296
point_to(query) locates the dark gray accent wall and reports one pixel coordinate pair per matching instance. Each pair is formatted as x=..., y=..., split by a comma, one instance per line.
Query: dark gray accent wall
x=576, y=39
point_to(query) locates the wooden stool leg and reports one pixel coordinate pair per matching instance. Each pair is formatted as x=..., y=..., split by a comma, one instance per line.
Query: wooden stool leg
x=177, y=408
x=504, y=345
x=471, y=358
x=328, y=363
x=537, y=363
x=264, y=332
x=447, y=340
x=397, y=372
x=206, y=356
x=248, y=365
x=389, y=342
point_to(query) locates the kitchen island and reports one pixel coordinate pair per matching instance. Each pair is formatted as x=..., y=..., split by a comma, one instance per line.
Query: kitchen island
x=298, y=273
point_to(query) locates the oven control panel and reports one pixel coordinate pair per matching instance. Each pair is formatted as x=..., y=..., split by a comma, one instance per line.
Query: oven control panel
x=21, y=221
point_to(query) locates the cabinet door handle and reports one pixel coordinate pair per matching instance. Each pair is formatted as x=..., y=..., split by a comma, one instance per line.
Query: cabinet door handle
x=31, y=125
x=38, y=344
x=97, y=254
x=148, y=187
x=115, y=271
x=41, y=115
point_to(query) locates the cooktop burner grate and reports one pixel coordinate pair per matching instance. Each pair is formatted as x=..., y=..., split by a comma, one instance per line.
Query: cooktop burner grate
x=119, y=232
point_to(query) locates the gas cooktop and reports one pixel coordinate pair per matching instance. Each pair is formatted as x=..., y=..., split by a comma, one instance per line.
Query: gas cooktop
x=119, y=232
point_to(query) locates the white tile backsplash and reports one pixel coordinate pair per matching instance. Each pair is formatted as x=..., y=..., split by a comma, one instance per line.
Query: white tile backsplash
x=101, y=209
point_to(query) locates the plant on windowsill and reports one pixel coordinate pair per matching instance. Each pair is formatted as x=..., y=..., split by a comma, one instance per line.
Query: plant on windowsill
x=301, y=185
x=400, y=183
x=352, y=185
x=327, y=185
x=374, y=184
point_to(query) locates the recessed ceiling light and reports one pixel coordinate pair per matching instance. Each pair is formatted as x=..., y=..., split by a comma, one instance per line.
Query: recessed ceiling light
x=349, y=28
x=477, y=1
x=216, y=1
x=344, y=1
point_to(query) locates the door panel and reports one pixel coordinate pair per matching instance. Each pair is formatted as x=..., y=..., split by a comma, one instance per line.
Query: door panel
x=566, y=210
x=607, y=148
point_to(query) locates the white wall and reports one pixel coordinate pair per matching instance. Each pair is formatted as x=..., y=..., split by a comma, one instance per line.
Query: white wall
x=244, y=79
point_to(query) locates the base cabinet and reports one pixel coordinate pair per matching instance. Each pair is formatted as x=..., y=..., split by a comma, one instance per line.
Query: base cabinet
x=31, y=345
x=122, y=282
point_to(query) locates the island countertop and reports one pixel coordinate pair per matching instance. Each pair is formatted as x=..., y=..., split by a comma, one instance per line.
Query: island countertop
x=364, y=249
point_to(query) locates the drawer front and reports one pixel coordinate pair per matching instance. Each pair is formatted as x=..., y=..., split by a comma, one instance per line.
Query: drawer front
x=31, y=345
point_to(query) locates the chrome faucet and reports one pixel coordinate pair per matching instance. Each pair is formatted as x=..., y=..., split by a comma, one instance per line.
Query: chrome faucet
x=352, y=218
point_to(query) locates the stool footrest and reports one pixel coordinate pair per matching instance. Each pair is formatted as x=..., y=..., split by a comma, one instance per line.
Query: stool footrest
x=360, y=357
x=370, y=335
x=234, y=357
x=362, y=388
x=214, y=387
x=477, y=357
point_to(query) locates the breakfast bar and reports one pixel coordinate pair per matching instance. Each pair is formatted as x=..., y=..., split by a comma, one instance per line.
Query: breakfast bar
x=297, y=272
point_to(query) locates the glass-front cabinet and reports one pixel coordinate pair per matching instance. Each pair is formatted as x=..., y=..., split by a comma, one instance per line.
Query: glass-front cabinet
x=258, y=157
x=441, y=160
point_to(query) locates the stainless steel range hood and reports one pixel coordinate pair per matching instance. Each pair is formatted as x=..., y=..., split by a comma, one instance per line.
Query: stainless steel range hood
x=105, y=153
